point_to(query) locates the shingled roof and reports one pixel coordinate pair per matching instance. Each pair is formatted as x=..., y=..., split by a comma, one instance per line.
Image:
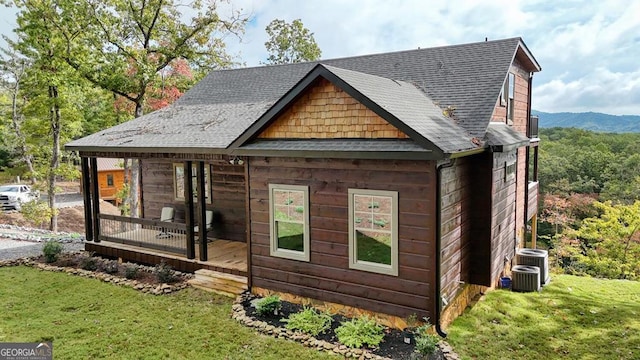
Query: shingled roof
x=226, y=103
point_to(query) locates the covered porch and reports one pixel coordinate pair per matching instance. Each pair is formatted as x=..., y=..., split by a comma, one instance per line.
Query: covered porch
x=185, y=242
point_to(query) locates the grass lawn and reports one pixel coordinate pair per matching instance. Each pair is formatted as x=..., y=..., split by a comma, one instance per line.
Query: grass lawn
x=572, y=318
x=89, y=319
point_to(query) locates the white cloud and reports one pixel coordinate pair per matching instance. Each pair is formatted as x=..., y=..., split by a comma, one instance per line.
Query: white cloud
x=588, y=50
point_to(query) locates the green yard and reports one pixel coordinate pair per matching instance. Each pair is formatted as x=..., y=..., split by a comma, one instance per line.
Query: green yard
x=572, y=318
x=89, y=319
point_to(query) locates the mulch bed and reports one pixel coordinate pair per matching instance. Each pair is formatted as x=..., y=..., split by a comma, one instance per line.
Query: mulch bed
x=392, y=346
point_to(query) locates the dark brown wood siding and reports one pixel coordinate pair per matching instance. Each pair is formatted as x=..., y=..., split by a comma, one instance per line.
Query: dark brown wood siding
x=503, y=215
x=228, y=193
x=327, y=275
x=456, y=219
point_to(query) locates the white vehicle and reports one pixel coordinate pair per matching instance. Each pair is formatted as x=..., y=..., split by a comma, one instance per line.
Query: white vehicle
x=13, y=196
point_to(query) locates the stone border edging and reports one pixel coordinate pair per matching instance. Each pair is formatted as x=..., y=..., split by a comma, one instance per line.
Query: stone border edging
x=38, y=235
x=159, y=289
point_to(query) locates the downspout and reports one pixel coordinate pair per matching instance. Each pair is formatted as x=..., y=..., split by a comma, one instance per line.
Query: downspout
x=439, y=168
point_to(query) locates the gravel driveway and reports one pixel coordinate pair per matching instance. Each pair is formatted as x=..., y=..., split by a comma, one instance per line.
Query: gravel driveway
x=17, y=242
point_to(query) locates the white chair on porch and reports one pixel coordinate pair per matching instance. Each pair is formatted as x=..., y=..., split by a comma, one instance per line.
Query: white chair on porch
x=166, y=215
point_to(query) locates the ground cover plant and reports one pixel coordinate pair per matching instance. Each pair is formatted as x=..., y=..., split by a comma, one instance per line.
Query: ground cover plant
x=572, y=318
x=86, y=318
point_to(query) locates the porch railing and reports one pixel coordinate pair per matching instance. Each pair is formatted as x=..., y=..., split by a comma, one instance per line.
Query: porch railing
x=532, y=199
x=146, y=233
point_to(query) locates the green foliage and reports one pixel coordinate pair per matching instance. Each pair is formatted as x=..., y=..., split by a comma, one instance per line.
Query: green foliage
x=111, y=267
x=268, y=305
x=51, y=251
x=426, y=343
x=121, y=196
x=37, y=212
x=131, y=271
x=89, y=263
x=361, y=331
x=290, y=43
x=164, y=273
x=309, y=321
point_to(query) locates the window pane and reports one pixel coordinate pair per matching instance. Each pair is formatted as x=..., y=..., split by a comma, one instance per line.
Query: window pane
x=179, y=181
x=290, y=235
x=373, y=246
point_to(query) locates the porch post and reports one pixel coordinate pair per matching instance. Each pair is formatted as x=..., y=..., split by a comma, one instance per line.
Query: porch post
x=86, y=196
x=95, y=192
x=188, y=209
x=202, y=214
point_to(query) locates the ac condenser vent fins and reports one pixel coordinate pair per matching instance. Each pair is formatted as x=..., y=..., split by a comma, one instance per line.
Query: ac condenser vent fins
x=525, y=278
x=535, y=257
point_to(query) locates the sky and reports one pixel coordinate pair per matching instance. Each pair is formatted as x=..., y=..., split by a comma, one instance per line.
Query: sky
x=589, y=50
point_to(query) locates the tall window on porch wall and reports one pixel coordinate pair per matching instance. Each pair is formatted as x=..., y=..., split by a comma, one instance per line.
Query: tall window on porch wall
x=178, y=182
x=373, y=231
x=289, y=221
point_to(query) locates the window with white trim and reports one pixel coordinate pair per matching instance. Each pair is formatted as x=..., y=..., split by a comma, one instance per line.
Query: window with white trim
x=178, y=182
x=373, y=231
x=289, y=221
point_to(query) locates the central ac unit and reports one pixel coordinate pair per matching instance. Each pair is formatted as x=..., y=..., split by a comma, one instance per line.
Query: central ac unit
x=535, y=257
x=525, y=278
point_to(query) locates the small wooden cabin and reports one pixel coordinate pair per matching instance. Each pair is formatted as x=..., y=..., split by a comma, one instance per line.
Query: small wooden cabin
x=396, y=183
x=110, y=178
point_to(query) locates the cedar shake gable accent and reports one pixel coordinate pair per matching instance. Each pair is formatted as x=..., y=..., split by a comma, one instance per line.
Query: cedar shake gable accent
x=399, y=103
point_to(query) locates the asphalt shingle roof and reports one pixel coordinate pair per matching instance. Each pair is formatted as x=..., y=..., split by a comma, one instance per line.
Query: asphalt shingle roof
x=217, y=110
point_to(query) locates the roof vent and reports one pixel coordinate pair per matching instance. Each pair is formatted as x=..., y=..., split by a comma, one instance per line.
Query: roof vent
x=525, y=278
x=535, y=257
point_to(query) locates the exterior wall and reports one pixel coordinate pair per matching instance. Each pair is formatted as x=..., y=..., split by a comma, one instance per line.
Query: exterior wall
x=520, y=121
x=327, y=275
x=228, y=194
x=326, y=111
x=456, y=227
x=503, y=216
x=108, y=192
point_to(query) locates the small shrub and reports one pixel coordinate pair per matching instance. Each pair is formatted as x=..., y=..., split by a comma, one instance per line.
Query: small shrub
x=51, y=251
x=360, y=331
x=268, y=305
x=164, y=273
x=89, y=263
x=131, y=271
x=111, y=267
x=426, y=344
x=309, y=321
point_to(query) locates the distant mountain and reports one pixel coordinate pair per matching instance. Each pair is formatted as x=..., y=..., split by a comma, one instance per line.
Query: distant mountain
x=590, y=121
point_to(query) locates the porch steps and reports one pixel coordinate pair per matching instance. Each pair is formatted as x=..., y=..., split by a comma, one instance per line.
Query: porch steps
x=218, y=282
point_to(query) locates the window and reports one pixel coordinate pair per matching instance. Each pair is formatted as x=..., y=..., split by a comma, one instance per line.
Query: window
x=178, y=182
x=289, y=221
x=511, y=84
x=109, y=179
x=373, y=231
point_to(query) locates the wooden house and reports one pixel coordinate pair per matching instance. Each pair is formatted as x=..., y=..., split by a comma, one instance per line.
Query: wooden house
x=110, y=178
x=397, y=183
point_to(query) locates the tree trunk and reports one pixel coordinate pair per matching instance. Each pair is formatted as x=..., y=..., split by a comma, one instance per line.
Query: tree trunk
x=55, y=155
x=17, y=129
x=134, y=188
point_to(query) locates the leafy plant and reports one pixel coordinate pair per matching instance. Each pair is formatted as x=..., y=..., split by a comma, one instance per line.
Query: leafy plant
x=89, y=263
x=111, y=267
x=37, y=212
x=164, y=273
x=309, y=321
x=268, y=305
x=300, y=209
x=51, y=251
x=374, y=205
x=426, y=344
x=131, y=271
x=360, y=331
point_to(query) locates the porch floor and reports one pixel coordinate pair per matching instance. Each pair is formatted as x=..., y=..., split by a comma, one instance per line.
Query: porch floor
x=223, y=255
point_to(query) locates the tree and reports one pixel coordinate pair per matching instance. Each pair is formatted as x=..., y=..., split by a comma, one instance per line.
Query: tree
x=290, y=43
x=12, y=71
x=123, y=45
